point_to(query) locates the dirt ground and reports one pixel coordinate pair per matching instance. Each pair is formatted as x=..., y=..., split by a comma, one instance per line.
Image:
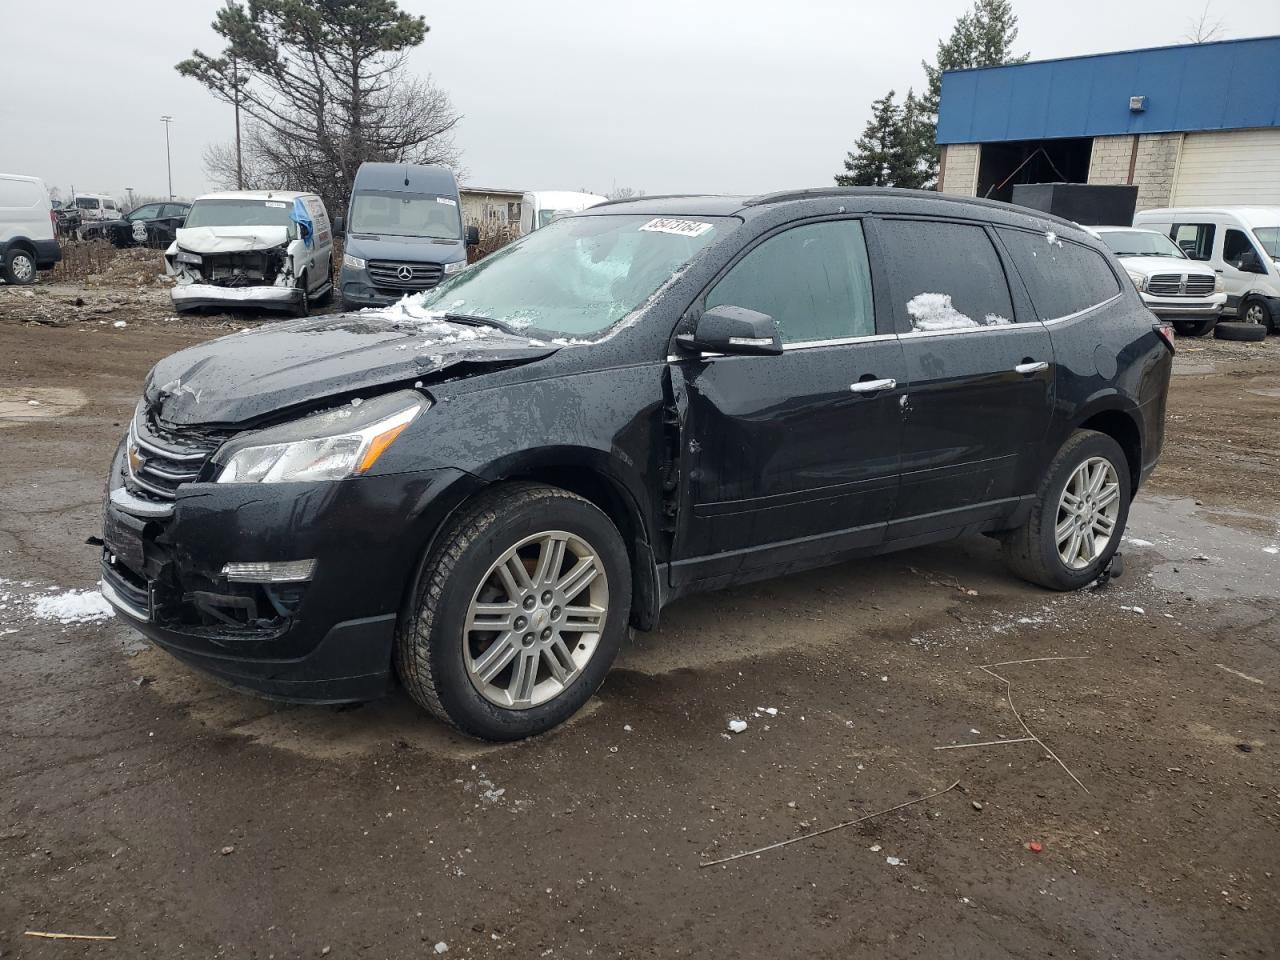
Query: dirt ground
x=142, y=802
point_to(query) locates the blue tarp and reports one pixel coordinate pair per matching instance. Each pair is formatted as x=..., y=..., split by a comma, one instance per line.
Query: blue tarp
x=302, y=217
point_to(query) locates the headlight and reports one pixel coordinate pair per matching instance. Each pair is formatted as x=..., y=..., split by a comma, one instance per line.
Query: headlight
x=333, y=445
x=1219, y=285
x=456, y=267
x=355, y=263
x=1138, y=279
x=182, y=256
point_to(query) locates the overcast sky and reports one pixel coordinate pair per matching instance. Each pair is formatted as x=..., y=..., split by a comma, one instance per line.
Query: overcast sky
x=724, y=96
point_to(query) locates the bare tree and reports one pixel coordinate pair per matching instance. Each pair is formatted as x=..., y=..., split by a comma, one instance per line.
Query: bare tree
x=1203, y=30
x=326, y=87
x=624, y=193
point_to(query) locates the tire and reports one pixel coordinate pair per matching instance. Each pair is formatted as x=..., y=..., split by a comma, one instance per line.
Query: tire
x=439, y=661
x=18, y=267
x=1194, y=328
x=1256, y=311
x=1241, y=332
x=303, y=307
x=1033, y=550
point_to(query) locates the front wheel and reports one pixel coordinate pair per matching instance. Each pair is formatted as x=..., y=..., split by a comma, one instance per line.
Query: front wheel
x=518, y=613
x=1194, y=328
x=18, y=267
x=1078, y=516
x=1255, y=310
x=303, y=306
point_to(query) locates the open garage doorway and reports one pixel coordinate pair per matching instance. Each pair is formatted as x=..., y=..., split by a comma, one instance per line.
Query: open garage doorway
x=1032, y=161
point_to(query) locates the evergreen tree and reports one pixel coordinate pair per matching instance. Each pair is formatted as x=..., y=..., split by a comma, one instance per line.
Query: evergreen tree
x=874, y=155
x=982, y=37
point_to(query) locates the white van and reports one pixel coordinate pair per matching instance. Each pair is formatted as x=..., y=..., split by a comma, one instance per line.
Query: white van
x=540, y=207
x=97, y=206
x=271, y=249
x=28, y=231
x=1241, y=243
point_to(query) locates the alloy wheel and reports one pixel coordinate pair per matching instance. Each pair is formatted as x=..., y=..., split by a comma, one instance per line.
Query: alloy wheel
x=1254, y=314
x=23, y=267
x=535, y=620
x=1088, y=511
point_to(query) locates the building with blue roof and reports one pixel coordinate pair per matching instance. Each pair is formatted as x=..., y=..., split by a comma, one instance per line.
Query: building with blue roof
x=1197, y=124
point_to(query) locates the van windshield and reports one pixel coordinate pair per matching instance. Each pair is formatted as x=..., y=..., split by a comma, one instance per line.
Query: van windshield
x=242, y=213
x=1269, y=237
x=1140, y=243
x=388, y=213
x=576, y=276
x=87, y=203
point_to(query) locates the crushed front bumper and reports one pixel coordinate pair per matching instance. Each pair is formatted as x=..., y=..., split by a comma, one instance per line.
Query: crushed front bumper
x=189, y=296
x=328, y=640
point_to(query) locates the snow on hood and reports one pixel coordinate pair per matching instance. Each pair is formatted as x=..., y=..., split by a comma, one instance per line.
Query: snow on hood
x=231, y=239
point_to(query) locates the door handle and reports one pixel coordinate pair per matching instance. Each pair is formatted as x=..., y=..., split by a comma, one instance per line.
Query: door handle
x=1038, y=366
x=873, y=386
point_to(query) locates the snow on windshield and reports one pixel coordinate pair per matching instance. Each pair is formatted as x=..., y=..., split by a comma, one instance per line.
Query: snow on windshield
x=935, y=311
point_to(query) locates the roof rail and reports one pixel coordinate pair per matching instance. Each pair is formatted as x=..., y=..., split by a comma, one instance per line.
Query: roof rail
x=813, y=193
x=656, y=196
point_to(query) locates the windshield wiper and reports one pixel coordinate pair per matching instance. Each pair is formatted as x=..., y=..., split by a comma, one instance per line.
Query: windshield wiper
x=471, y=320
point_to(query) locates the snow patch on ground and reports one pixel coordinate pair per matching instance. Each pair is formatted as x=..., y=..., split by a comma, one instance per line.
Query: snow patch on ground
x=74, y=606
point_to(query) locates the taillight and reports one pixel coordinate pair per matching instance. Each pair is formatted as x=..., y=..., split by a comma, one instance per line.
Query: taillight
x=53, y=222
x=1166, y=333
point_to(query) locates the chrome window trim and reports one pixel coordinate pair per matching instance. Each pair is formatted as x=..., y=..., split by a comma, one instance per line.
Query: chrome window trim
x=798, y=345
x=1080, y=313
x=982, y=328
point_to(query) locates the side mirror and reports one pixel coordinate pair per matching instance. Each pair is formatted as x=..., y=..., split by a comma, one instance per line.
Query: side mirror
x=735, y=331
x=339, y=224
x=473, y=236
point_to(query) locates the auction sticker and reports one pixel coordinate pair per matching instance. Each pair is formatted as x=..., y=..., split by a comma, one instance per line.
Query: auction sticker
x=275, y=203
x=681, y=228
x=448, y=201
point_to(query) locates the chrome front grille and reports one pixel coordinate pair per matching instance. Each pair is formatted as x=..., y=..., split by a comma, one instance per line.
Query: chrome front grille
x=1198, y=286
x=158, y=461
x=1180, y=285
x=1165, y=284
x=405, y=276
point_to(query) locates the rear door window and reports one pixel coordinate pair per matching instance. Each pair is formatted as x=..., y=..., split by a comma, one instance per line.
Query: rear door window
x=1062, y=277
x=1195, y=239
x=814, y=280
x=944, y=276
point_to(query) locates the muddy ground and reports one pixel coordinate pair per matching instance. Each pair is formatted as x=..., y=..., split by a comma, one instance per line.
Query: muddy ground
x=141, y=802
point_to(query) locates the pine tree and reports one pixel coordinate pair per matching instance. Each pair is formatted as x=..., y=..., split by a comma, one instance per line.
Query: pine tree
x=871, y=161
x=913, y=138
x=983, y=37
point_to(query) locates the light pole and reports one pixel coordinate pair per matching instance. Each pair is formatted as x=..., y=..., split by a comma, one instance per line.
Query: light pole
x=168, y=158
x=129, y=191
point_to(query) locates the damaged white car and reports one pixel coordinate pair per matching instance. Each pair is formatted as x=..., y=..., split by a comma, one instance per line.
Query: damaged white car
x=253, y=248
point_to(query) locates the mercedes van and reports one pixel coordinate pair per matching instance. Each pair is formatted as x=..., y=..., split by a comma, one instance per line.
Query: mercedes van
x=1242, y=244
x=404, y=233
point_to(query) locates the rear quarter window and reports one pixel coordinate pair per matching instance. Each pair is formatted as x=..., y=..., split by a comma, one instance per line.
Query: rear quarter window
x=1062, y=277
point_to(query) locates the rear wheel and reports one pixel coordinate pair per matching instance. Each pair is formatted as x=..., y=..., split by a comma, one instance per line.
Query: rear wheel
x=1078, y=516
x=1255, y=310
x=1194, y=328
x=518, y=612
x=18, y=267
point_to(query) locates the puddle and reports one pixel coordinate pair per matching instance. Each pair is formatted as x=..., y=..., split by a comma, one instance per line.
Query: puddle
x=20, y=405
x=1262, y=387
x=1203, y=558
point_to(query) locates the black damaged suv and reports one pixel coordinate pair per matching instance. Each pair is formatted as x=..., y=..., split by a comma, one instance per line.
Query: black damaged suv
x=481, y=488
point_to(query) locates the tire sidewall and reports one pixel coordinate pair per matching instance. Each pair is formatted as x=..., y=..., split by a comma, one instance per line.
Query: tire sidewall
x=461, y=701
x=11, y=274
x=1090, y=445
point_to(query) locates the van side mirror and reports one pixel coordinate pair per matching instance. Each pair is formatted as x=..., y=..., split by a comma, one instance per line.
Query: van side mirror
x=735, y=331
x=339, y=224
x=473, y=235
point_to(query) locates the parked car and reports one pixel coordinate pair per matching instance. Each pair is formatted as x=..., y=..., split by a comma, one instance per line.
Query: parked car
x=267, y=249
x=152, y=224
x=1240, y=243
x=404, y=233
x=94, y=208
x=66, y=219
x=28, y=229
x=483, y=487
x=1174, y=288
x=540, y=207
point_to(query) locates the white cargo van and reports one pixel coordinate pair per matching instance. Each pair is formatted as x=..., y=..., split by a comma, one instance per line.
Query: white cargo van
x=28, y=231
x=540, y=207
x=1242, y=244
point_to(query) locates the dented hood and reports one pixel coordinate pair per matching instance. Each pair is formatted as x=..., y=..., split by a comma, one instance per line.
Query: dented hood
x=231, y=239
x=248, y=377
